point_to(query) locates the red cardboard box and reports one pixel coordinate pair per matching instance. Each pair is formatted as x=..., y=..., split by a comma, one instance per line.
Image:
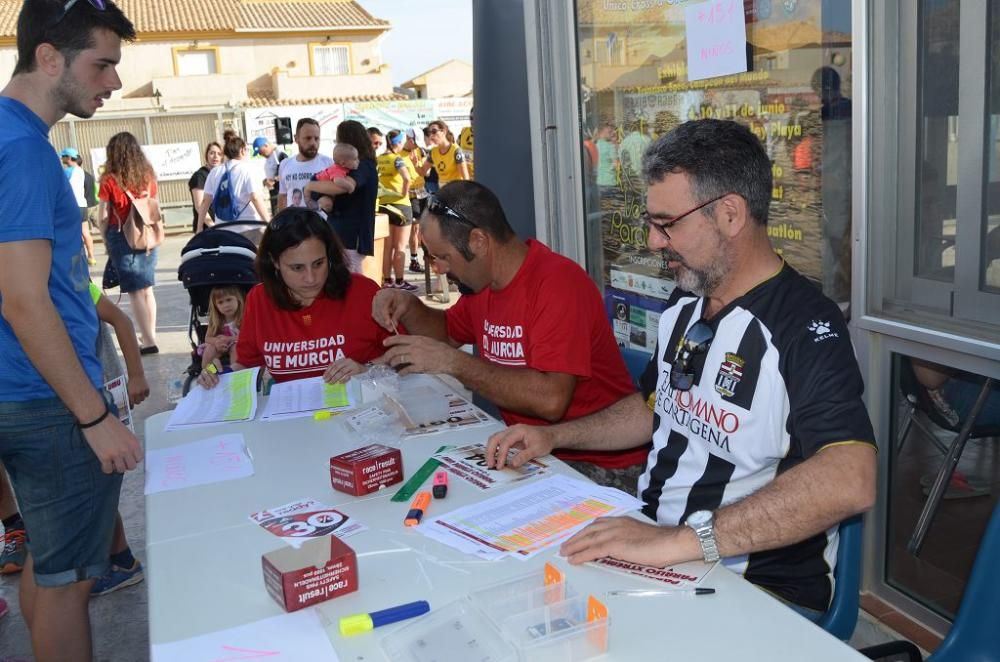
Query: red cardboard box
x=366, y=469
x=321, y=569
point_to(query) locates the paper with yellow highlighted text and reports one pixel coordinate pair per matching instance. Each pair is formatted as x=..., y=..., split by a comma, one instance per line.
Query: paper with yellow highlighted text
x=233, y=399
x=302, y=397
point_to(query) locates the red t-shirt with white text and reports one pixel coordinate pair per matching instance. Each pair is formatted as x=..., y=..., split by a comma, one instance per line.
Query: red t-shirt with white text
x=550, y=318
x=295, y=344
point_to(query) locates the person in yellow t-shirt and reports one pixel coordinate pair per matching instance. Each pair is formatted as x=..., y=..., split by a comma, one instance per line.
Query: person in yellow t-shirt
x=467, y=143
x=395, y=176
x=418, y=195
x=445, y=156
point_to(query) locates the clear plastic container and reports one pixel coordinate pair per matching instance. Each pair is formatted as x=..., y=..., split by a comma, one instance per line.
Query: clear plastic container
x=423, y=405
x=522, y=593
x=567, y=631
x=457, y=631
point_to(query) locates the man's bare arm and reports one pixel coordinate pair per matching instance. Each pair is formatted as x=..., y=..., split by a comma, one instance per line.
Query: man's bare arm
x=28, y=308
x=624, y=424
x=826, y=489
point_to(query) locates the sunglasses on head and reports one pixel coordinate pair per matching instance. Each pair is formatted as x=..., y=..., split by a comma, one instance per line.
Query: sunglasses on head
x=99, y=5
x=438, y=208
x=696, y=341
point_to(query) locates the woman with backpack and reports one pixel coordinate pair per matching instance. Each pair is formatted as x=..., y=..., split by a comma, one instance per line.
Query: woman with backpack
x=234, y=193
x=127, y=171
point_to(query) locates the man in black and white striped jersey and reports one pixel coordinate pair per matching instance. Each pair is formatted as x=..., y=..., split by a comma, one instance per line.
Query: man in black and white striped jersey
x=761, y=441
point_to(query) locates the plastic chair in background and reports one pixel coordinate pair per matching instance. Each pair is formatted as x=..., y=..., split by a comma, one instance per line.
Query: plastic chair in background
x=842, y=616
x=974, y=636
x=919, y=400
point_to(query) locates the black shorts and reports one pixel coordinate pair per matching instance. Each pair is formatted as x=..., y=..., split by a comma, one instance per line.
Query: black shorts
x=399, y=215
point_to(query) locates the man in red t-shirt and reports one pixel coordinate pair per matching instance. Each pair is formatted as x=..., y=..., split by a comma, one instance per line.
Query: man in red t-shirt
x=546, y=352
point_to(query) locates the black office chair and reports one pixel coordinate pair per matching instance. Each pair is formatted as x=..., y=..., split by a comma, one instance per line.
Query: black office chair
x=920, y=402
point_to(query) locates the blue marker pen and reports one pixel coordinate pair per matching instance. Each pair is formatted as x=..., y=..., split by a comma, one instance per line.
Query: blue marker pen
x=358, y=623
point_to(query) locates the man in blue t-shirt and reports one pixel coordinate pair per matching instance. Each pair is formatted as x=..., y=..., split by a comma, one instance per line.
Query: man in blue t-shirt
x=63, y=451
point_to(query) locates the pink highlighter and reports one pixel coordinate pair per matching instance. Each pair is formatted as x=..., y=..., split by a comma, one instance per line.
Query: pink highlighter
x=440, y=485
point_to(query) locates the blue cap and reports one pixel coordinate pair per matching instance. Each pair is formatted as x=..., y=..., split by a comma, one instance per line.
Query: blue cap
x=70, y=152
x=396, y=139
x=258, y=142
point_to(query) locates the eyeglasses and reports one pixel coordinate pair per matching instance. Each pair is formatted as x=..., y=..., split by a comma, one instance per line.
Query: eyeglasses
x=438, y=208
x=431, y=131
x=96, y=4
x=696, y=341
x=664, y=228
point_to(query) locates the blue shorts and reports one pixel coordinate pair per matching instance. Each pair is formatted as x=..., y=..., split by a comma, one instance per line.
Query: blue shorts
x=68, y=504
x=136, y=269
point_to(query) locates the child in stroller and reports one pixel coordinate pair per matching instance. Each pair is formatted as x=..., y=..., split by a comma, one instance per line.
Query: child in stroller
x=213, y=259
x=225, y=314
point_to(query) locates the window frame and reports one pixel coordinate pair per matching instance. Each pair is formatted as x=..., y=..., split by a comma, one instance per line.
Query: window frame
x=313, y=59
x=178, y=51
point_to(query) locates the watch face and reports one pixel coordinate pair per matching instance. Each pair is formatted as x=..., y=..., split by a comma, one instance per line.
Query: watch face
x=699, y=518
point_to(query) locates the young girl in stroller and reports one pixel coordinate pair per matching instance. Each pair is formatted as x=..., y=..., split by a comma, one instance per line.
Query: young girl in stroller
x=225, y=314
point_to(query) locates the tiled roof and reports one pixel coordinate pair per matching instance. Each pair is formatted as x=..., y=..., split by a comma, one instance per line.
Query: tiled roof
x=263, y=101
x=157, y=16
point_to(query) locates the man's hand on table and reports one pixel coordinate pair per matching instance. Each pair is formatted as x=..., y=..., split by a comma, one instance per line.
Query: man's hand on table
x=419, y=354
x=341, y=371
x=629, y=539
x=530, y=441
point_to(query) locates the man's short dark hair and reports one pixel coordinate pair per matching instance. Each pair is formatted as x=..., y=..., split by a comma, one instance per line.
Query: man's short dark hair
x=302, y=122
x=289, y=228
x=719, y=157
x=374, y=131
x=480, y=206
x=43, y=22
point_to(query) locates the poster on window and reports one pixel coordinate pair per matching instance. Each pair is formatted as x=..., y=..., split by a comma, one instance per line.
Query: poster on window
x=794, y=96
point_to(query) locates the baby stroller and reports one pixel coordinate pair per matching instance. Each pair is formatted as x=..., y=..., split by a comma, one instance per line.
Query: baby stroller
x=210, y=259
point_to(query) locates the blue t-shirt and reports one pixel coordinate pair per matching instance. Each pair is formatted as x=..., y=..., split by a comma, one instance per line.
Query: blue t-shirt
x=353, y=216
x=37, y=203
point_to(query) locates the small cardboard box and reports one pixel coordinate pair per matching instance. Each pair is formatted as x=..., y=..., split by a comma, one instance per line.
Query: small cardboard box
x=366, y=469
x=321, y=569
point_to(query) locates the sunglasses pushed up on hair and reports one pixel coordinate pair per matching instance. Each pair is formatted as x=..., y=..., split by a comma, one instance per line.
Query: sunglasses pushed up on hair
x=99, y=5
x=439, y=208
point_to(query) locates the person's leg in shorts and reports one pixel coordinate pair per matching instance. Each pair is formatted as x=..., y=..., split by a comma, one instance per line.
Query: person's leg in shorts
x=69, y=507
x=414, y=240
x=88, y=241
x=396, y=247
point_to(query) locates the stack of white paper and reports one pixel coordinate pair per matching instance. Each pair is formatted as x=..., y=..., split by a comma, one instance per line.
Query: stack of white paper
x=233, y=399
x=201, y=462
x=529, y=519
x=302, y=397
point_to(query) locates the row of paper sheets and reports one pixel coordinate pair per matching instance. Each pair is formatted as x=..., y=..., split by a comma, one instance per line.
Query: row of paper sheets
x=234, y=399
x=527, y=520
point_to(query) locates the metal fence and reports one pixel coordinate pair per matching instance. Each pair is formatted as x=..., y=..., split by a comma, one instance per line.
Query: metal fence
x=154, y=128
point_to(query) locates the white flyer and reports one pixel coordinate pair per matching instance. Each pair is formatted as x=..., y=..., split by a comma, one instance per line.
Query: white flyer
x=301, y=520
x=469, y=463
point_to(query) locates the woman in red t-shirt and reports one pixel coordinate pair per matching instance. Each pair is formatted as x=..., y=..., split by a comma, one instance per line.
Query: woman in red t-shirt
x=309, y=316
x=127, y=168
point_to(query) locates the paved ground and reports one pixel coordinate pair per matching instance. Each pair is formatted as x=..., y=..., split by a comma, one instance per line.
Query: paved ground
x=120, y=619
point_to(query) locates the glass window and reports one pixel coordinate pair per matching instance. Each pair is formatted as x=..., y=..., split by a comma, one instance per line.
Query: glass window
x=196, y=63
x=931, y=402
x=795, y=95
x=331, y=60
x=938, y=264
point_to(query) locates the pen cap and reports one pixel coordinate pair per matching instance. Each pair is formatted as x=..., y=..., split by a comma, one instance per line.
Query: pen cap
x=356, y=624
x=400, y=613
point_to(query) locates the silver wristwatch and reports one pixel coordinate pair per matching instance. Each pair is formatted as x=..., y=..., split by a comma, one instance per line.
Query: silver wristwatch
x=702, y=523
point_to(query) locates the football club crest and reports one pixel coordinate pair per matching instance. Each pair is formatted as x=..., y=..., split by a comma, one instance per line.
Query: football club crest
x=730, y=374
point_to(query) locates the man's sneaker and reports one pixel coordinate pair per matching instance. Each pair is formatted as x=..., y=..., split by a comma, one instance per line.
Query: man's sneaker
x=388, y=283
x=117, y=577
x=12, y=557
x=415, y=266
x=408, y=287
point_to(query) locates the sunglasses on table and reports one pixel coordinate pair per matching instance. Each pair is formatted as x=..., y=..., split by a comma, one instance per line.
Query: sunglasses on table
x=696, y=341
x=99, y=5
x=438, y=208
x=664, y=228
